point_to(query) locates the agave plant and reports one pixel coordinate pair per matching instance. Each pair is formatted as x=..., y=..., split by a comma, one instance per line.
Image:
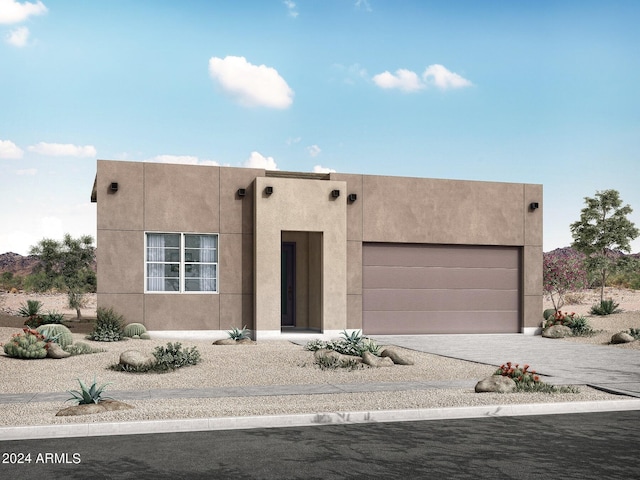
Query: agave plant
x=86, y=396
x=354, y=338
x=239, y=334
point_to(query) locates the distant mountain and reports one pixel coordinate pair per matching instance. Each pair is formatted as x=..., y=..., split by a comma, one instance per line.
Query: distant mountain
x=17, y=264
x=20, y=264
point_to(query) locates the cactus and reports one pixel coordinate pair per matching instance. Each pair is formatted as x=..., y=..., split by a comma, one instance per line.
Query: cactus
x=145, y=336
x=134, y=329
x=549, y=313
x=56, y=333
x=29, y=344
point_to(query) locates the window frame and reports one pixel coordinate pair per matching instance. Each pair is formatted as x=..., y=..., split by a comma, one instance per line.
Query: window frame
x=182, y=265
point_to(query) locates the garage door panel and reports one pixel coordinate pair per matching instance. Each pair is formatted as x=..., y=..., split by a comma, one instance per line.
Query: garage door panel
x=439, y=300
x=442, y=322
x=440, y=256
x=440, y=289
x=438, y=277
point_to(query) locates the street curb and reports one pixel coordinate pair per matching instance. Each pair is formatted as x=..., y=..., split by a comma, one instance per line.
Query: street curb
x=310, y=419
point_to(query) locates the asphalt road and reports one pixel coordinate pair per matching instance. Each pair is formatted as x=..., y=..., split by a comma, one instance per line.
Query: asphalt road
x=581, y=446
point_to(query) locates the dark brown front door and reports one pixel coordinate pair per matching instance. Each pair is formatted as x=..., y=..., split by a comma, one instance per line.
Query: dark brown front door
x=288, y=288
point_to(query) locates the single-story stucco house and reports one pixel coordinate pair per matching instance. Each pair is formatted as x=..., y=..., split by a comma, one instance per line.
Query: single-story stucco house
x=198, y=250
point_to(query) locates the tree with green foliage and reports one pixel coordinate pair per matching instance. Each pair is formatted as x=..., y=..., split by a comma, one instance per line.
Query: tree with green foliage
x=602, y=231
x=70, y=260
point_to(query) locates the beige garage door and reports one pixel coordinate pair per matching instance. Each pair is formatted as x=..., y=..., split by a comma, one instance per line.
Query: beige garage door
x=413, y=289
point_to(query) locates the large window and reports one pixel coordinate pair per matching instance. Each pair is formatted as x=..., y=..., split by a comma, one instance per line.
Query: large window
x=181, y=263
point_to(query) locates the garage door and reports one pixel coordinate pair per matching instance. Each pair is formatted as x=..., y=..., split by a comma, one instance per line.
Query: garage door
x=413, y=289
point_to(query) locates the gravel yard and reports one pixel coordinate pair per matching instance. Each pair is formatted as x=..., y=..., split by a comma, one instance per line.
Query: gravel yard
x=265, y=363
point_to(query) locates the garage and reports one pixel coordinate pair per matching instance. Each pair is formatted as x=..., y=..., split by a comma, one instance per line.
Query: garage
x=436, y=289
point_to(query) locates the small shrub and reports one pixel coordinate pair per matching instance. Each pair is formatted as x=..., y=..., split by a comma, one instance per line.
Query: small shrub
x=239, y=334
x=86, y=396
x=81, y=348
x=29, y=344
x=331, y=363
x=52, y=318
x=635, y=333
x=579, y=325
x=528, y=381
x=109, y=327
x=172, y=356
x=32, y=310
x=605, y=307
x=548, y=313
x=353, y=344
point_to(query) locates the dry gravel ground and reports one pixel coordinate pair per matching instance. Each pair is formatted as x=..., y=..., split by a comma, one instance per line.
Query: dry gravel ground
x=265, y=363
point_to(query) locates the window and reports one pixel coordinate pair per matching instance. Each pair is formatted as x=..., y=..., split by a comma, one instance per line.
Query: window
x=181, y=263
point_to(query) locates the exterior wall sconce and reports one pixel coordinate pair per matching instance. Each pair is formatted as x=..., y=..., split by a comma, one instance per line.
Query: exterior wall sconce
x=113, y=188
x=242, y=192
x=352, y=197
x=534, y=206
x=268, y=190
x=335, y=193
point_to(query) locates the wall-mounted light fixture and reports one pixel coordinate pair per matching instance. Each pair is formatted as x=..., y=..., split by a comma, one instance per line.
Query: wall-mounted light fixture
x=268, y=190
x=335, y=193
x=534, y=206
x=352, y=197
x=113, y=188
x=242, y=192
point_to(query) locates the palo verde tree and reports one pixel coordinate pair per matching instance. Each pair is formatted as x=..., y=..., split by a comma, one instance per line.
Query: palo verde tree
x=602, y=231
x=71, y=261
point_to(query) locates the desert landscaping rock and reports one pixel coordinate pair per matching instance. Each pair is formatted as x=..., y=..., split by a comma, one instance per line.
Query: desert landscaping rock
x=370, y=359
x=496, y=384
x=231, y=341
x=395, y=357
x=621, y=337
x=335, y=356
x=56, y=351
x=557, y=331
x=136, y=359
x=93, y=408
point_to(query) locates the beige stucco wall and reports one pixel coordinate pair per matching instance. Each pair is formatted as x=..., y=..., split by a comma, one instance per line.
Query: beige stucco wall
x=299, y=205
x=203, y=199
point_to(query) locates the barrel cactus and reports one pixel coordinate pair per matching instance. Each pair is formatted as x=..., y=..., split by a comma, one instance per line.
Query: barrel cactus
x=133, y=329
x=29, y=344
x=56, y=333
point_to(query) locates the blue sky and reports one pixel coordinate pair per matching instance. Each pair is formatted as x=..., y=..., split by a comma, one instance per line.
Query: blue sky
x=534, y=92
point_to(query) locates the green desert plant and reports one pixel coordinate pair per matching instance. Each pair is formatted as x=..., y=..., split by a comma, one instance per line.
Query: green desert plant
x=29, y=344
x=108, y=327
x=134, y=329
x=548, y=313
x=173, y=356
x=81, y=348
x=88, y=395
x=332, y=363
x=56, y=333
x=353, y=344
x=32, y=310
x=239, y=334
x=52, y=317
x=605, y=307
x=528, y=381
x=635, y=333
x=354, y=338
x=580, y=327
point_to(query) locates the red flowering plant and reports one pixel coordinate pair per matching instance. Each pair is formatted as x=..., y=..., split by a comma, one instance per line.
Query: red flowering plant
x=560, y=318
x=523, y=377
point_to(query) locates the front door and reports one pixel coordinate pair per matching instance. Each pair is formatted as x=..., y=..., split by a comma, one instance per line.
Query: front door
x=288, y=287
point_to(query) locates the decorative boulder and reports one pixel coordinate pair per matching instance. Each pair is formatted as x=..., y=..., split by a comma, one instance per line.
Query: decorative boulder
x=496, y=383
x=395, y=357
x=621, y=337
x=225, y=341
x=136, y=359
x=333, y=355
x=89, y=408
x=370, y=359
x=557, y=331
x=56, y=351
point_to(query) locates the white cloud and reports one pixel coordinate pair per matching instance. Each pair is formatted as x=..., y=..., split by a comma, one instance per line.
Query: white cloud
x=443, y=78
x=16, y=12
x=10, y=150
x=63, y=150
x=408, y=81
x=291, y=141
x=251, y=85
x=182, y=160
x=364, y=5
x=291, y=6
x=314, y=150
x=256, y=160
x=405, y=80
x=321, y=169
x=27, y=171
x=18, y=37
